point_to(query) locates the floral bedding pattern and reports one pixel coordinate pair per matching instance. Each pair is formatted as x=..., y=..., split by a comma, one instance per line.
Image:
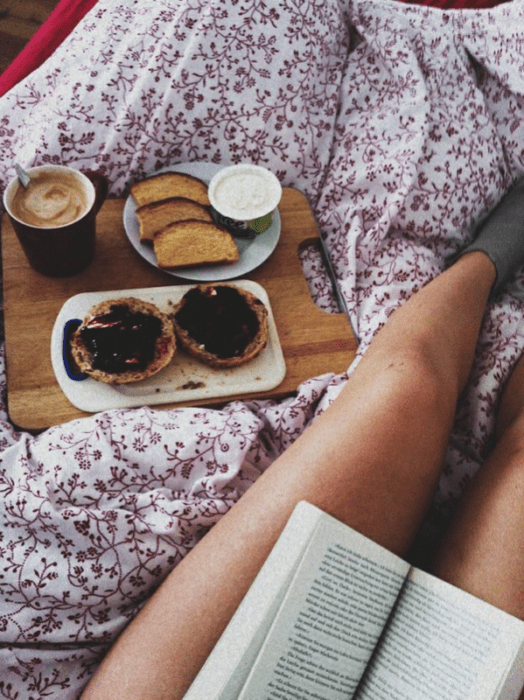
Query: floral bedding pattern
x=402, y=124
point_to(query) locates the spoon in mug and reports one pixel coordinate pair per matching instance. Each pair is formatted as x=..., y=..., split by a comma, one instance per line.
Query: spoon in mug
x=23, y=177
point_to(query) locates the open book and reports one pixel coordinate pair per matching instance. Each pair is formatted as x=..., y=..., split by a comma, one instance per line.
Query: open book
x=333, y=616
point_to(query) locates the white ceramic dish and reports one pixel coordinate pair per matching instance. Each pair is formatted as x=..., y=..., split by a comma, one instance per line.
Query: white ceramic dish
x=253, y=252
x=184, y=379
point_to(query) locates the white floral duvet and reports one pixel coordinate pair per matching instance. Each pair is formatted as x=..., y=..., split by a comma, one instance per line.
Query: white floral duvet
x=402, y=125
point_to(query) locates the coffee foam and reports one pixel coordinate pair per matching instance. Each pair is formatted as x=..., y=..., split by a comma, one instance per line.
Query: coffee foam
x=53, y=198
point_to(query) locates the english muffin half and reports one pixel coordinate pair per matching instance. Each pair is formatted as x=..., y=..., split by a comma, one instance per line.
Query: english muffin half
x=221, y=325
x=123, y=340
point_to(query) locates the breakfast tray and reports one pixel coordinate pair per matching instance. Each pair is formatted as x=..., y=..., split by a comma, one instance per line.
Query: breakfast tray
x=313, y=342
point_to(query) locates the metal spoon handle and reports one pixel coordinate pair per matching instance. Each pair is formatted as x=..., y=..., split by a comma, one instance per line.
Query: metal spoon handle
x=22, y=175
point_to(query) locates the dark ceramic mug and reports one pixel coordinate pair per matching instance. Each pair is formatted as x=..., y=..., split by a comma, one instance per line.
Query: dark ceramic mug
x=69, y=248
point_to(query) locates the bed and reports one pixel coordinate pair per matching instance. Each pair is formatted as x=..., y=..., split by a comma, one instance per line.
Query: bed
x=401, y=123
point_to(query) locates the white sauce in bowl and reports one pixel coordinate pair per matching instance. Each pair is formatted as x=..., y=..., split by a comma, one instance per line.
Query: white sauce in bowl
x=244, y=192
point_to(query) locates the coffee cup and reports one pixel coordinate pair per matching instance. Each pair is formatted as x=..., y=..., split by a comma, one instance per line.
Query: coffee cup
x=54, y=217
x=244, y=198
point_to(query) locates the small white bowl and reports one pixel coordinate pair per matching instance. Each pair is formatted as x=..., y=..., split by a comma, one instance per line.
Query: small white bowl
x=244, y=197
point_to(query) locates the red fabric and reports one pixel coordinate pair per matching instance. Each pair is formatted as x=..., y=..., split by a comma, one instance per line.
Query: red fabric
x=55, y=29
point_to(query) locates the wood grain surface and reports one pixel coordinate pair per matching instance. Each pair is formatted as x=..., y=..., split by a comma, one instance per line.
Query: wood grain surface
x=314, y=342
x=19, y=21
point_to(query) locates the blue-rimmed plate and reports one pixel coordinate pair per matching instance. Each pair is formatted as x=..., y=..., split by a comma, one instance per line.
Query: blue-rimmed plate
x=253, y=252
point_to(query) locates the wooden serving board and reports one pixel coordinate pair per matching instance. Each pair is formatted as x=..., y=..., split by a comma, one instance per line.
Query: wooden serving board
x=313, y=342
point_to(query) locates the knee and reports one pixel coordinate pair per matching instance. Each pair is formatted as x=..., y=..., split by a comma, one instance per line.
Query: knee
x=415, y=389
x=425, y=382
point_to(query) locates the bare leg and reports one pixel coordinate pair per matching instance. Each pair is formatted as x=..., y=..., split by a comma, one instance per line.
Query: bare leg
x=484, y=550
x=372, y=460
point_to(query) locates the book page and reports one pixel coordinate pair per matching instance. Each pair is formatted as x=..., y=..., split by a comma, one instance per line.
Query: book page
x=330, y=620
x=442, y=643
x=228, y=666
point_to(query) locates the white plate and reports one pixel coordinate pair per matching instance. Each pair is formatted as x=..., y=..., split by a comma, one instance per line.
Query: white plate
x=184, y=379
x=252, y=252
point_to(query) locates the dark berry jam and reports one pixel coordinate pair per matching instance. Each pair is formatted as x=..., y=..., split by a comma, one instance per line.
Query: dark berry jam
x=121, y=340
x=220, y=319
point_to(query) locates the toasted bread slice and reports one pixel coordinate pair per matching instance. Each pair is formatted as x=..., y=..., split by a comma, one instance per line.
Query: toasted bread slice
x=123, y=333
x=192, y=242
x=165, y=185
x=157, y=215
x=221, y=325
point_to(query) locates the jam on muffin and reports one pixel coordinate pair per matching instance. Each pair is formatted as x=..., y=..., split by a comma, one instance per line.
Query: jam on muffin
x=123, y=340
x=221, y=325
